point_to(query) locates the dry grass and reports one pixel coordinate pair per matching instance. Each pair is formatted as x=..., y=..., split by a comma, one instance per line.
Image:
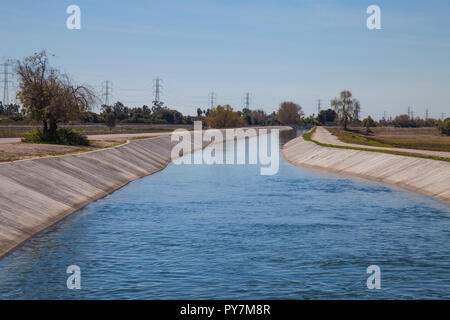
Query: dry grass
x=20, y=151
x=307, y=137
x=15, y=131
x=409, y=138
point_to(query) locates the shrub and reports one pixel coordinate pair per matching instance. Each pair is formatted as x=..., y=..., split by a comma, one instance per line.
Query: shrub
x=368, y=122
x=444, y=126
x=110, y=120
x=62, y=136
x=404, y=121
x=224, y=117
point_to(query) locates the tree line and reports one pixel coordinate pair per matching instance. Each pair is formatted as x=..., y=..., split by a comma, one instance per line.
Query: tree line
x=52, y=97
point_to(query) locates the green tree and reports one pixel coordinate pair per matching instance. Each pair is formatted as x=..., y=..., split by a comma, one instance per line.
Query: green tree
x=368, y=122
x=110, y=120
x=223, y=117
x=246, y=114
x=444, y=126
x=328, y=115
x=311, y=121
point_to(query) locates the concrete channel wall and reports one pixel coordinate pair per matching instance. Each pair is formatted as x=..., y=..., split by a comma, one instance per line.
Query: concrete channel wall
x=35, y=194
x=426, y=176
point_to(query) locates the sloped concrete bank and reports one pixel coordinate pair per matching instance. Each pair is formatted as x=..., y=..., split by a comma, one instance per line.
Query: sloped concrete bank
x=429, y=177
x=35, y=194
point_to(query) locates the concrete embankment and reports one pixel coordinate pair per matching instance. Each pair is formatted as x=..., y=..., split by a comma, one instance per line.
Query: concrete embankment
x=429, y=177
x=35, y=194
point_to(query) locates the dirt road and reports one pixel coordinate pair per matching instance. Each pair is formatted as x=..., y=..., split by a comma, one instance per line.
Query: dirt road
x=324, y=136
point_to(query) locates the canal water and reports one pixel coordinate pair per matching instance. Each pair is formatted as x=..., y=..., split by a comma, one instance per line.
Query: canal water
x=227, y=232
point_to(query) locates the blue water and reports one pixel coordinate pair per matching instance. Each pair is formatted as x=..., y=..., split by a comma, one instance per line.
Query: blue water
x=226, y=232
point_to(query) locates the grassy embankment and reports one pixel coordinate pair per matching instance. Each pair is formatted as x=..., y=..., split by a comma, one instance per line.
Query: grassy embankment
x=307, y=137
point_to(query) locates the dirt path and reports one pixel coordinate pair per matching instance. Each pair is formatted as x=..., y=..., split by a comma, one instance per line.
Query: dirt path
x=117, y=136
x=324, y=136
x=12, y=149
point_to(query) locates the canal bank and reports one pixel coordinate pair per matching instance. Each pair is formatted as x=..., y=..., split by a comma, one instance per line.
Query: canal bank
x=228, y=232
x=426, y=176
x=35, y=194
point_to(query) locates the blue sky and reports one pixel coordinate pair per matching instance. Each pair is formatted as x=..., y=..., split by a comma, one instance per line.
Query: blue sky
x=277, y=50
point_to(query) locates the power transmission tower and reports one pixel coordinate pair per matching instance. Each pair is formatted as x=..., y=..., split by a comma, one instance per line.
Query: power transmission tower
x=412, y=114
x=384, y=115
x=107, y=90
x=247, y=100
x=442, y=116
x=426, y=114
x=157, y=88
x=409, y=111
x=212, y=99
x=6, y=81
x=318, y=106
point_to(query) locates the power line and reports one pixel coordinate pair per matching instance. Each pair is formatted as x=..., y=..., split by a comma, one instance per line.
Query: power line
x=157, y=88
x=107, y=90
x=247, y=100
x=212, y=99
x=5, y=81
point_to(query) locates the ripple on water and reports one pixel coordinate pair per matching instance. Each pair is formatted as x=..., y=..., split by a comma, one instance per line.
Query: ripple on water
x=222, y=232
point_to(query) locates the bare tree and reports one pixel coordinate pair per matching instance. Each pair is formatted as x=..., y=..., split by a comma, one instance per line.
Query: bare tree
x=49, y=96
x=289, y=113
x=258, y=116
x=347, y=108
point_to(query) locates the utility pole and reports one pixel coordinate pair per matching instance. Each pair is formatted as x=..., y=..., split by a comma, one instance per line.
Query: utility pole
x=212, y=99
x=107, y=89
x=157, y=87
x=6, y=81
x=247, y=100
